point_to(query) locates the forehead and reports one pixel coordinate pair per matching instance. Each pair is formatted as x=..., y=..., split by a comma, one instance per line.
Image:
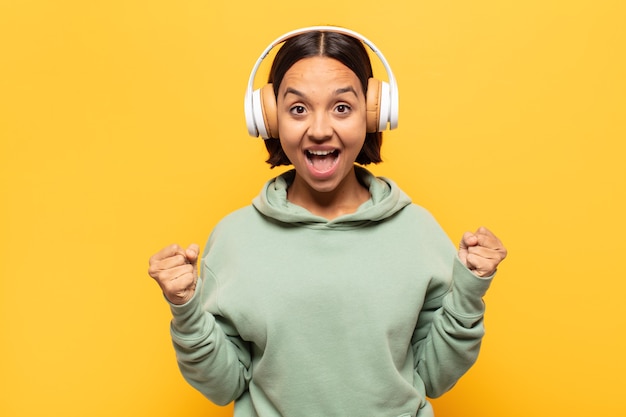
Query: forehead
x=319, y=70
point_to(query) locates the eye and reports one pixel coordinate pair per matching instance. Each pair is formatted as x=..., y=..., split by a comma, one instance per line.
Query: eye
x=297, y=110
x=343, y=109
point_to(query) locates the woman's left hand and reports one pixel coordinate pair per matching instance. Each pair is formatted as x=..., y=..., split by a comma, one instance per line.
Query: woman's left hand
x=481, y=252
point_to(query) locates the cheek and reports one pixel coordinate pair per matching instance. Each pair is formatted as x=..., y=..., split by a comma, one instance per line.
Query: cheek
x=353, y=133
x=287, y=125
x=289, y=136
x=288, y=132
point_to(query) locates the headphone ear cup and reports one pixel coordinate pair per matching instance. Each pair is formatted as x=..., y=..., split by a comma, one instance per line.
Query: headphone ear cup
x=372, y=104
x=257, y=125
x=268, y=105
x=262, y=119
x=384, y=108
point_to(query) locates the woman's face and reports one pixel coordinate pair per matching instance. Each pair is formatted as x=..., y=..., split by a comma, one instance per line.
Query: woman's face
x=321, y=122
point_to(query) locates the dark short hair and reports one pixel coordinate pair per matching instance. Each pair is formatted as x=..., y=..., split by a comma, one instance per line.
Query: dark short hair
x=345, y=49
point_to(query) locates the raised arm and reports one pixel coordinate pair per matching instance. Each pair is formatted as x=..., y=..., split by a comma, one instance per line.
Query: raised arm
x=450, y=328
x=210, y=354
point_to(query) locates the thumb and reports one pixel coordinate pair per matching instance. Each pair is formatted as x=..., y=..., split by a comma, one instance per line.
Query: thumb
x=468, y=239
x=191, y=253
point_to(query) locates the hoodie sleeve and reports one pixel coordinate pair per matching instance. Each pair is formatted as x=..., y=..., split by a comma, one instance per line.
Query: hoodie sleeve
x=449, y=331
x=210, y=354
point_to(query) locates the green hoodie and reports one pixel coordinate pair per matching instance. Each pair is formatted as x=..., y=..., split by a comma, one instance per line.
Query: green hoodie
x=363, y=315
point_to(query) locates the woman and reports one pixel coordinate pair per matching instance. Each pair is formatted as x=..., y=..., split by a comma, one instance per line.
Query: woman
x=332, y=294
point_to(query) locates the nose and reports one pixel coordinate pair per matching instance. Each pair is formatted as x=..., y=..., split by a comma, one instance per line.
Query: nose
x=321, y=127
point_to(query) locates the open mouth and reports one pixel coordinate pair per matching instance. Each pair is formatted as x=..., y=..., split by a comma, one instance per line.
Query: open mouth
x=322, y=160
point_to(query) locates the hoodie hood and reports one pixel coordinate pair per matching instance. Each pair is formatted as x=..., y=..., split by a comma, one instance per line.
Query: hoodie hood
x=385, y=201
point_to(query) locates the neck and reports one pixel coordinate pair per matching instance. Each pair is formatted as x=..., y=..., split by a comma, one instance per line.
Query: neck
x=344, y=199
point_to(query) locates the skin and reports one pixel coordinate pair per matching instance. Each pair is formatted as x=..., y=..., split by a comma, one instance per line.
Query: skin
x=321, y=108
x=175, y=269
x=481, y=252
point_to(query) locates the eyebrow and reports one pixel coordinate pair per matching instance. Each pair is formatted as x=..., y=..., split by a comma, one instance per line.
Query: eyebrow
x=346, y=90
x=338, y=91
x=290, y=90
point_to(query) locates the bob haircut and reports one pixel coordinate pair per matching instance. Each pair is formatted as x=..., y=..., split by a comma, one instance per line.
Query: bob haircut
x=345, y=49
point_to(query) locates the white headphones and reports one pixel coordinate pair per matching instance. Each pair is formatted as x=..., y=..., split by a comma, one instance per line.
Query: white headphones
x=382, y=100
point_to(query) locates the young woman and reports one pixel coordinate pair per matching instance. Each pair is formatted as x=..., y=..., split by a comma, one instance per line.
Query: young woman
x=332, y=294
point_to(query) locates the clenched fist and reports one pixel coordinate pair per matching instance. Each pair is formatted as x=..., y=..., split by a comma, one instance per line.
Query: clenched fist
x=481, y=252
x=175, y=270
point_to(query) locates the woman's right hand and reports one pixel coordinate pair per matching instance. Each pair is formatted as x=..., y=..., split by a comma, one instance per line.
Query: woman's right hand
x=175, y=270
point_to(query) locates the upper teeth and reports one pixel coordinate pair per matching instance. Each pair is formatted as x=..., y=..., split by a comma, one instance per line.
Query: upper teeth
x=320, y=153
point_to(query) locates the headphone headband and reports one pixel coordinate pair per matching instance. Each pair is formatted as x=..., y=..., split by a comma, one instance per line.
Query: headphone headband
x=392, y=117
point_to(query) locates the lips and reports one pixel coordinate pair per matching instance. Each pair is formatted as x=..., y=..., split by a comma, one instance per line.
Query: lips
x=322, y=161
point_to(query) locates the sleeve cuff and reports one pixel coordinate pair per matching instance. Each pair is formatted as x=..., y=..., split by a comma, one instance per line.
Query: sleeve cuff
x=189, y=318
x=465, y=300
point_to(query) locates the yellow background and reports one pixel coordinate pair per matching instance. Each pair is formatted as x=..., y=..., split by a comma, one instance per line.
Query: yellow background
x=122, y=130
